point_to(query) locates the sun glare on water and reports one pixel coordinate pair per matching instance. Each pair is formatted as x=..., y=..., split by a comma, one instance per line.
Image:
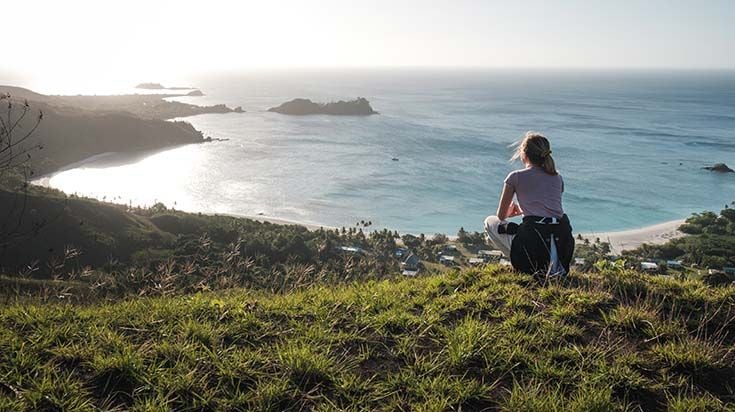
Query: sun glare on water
x=160, y=177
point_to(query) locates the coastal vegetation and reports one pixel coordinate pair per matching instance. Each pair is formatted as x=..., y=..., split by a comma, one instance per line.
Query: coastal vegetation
x=83, y=249
x=709, y=244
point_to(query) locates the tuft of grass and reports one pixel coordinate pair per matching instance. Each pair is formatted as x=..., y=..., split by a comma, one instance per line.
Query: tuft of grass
x=635, y=319
x=594, y=399
x=533, y=397
x=690, y=356
x=307, y=368
x=204, y=333
x=119, y=373
x=467, y=341
x=695, y=403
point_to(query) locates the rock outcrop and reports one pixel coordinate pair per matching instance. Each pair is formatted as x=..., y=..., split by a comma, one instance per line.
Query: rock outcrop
x=302, y=107
x=719, y=167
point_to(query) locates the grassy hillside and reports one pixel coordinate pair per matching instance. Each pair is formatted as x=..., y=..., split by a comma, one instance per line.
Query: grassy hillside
x=117, y=250
x=70, y=134
x=50, y=224
x=469, y=340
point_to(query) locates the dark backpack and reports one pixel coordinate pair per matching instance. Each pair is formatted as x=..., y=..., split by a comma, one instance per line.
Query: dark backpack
x=530, y=250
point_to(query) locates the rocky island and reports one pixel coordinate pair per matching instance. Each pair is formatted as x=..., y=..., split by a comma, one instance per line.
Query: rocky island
x=719, y=167
x=150, y=86
x=302, y=107
x=159, y=86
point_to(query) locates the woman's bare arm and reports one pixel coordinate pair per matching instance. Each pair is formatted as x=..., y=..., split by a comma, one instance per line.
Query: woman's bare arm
x=506, y=198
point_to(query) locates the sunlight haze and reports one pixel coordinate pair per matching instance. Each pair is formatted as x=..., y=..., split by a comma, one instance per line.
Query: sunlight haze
x=152, y=39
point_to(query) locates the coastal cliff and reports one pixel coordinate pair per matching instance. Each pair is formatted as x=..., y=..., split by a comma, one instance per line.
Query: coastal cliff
x=302, y=107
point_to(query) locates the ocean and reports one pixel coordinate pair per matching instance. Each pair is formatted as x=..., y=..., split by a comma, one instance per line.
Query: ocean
x=630, y=146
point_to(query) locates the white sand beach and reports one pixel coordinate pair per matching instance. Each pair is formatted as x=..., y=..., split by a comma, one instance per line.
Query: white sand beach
x=277, y=221
x=630, y=239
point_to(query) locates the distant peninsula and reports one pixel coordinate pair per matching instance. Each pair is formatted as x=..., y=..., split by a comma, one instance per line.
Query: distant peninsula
x=76, y=127
x=303, y=107
x=148, y=106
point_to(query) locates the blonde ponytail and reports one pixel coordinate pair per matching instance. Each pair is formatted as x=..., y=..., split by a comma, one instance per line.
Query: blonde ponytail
x=549, y=166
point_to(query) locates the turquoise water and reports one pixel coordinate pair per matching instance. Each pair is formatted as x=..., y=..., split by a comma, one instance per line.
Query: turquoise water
x=630, y=145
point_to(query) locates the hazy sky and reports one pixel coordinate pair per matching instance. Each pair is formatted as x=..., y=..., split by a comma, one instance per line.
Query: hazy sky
x=131, y=38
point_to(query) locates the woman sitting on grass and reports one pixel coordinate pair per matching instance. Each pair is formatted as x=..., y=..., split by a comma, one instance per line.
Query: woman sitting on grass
x=542, y=244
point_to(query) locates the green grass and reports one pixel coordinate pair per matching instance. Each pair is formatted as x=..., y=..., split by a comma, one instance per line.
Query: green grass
x=485, y=339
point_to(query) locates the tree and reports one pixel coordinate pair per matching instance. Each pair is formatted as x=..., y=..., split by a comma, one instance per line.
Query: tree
x=462, y=235
x=16, y=128
x=728, y=214
x=15, y=134
x=439, y=239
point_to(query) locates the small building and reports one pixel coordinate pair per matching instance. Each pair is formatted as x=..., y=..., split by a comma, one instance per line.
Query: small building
x=649, y=266
x=352, y=249
x=401, y=252
x=449, y=250
x=490, y=255
x=715, y=272
x=476, y=261
x=730, y=271
x=446, y=260
x=579, y=261
x=674, y=264
x=411, y=262
x=411, y=265
x=505, y=262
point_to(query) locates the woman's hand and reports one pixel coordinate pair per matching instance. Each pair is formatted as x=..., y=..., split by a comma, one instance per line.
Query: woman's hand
x=514, y=210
